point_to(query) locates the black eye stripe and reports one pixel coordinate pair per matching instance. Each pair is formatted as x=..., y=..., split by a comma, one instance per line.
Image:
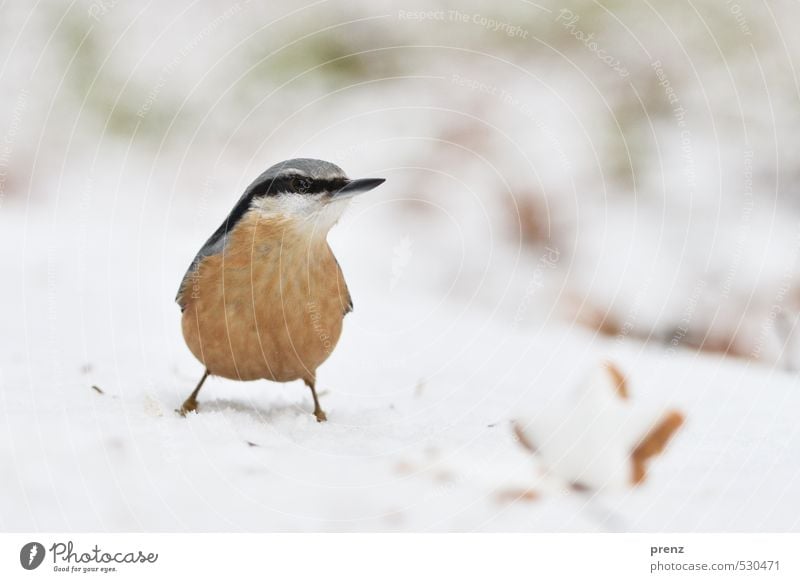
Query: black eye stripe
x=329, y=185
x=296, y=183
x=305, y=185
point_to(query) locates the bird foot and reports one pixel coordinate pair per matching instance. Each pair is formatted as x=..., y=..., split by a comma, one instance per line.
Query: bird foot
x=189, y=406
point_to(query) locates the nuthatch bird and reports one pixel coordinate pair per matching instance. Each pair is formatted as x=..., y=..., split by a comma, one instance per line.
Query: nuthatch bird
x=265, y=297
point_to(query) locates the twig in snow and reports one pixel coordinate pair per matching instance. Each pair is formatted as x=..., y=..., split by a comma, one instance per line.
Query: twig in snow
x=653, y=443
x=512, y=495
x=523, y=439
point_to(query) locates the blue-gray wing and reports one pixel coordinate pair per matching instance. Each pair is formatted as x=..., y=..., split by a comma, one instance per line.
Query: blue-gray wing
x=216, y=242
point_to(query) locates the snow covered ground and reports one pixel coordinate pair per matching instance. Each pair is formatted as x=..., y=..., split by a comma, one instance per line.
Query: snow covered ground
x=529, y=187
x=420, y=393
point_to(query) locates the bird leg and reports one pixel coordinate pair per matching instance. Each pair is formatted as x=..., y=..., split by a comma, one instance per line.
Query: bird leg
x=318, y=412
x=190, y=404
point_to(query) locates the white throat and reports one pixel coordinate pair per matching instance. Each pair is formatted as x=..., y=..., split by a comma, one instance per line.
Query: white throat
x=316, y=213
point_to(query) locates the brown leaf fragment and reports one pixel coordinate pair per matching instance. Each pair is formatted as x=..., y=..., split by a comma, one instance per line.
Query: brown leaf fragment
x=619, y=379
x=523, y=439
x=531, y=218
x=594, y=318
x=512, y=495
x=579, y=487
x=653, y=444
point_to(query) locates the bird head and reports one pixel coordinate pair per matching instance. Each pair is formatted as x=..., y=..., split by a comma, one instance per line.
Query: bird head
x=306, y=192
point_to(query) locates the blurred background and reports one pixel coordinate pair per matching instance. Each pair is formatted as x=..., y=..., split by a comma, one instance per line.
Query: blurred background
x=615, y=171
x=646, y=156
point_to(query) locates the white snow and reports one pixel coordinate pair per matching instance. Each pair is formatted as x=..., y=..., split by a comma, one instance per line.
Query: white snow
x=421, y=394
x=117, y=164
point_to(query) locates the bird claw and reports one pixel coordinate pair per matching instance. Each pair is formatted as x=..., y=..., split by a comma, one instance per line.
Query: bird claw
x=186, y=408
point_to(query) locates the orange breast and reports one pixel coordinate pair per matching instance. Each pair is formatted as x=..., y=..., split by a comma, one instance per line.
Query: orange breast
x=270, y=306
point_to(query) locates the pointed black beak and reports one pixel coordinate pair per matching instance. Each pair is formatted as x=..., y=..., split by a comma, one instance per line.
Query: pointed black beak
x=359, y=186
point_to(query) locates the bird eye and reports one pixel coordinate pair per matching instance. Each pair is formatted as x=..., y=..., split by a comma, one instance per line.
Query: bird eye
x=301, y=185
